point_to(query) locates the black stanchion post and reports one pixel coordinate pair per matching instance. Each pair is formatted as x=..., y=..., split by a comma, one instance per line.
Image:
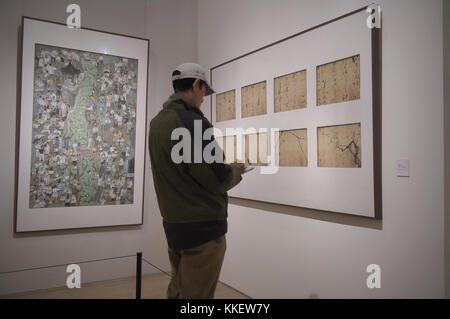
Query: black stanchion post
x=138, y=275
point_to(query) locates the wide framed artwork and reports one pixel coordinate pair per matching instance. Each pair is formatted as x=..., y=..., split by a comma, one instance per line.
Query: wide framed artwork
x=317, y=96
x=82, y=128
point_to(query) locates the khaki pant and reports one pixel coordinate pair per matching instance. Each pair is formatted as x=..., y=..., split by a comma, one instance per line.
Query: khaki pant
x=195, y=271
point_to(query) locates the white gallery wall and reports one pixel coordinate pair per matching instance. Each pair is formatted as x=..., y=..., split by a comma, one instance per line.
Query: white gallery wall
x=170, y=45
x=284, y=252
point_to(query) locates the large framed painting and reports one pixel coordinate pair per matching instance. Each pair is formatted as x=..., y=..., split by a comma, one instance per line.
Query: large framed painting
x=82, y=128
x=317, y=96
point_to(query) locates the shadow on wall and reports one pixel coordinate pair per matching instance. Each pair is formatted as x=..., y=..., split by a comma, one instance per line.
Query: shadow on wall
x=337, y=218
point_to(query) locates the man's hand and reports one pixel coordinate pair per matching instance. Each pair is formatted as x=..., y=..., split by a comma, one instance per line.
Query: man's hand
x=240, y=166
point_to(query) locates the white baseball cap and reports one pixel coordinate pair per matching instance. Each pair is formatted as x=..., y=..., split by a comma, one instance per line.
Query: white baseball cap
x=192, y=70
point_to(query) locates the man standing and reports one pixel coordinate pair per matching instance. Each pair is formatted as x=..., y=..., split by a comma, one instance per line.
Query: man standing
x=192, y=197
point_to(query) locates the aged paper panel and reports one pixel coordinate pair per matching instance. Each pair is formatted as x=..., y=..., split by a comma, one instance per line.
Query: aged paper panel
x=339, y=146
x=230, y=149
x=290, y=91
x=254, y=100
x=293, y=148
x=228, y=145
x=256, y=149
x=220, y=141
x=226, y=106
x=338, y=81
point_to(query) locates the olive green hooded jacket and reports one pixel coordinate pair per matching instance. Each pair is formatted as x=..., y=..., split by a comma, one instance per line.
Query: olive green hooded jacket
x=192, y=196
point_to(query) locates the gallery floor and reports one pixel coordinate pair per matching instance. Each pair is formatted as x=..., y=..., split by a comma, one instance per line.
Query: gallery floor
x=153, y=287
